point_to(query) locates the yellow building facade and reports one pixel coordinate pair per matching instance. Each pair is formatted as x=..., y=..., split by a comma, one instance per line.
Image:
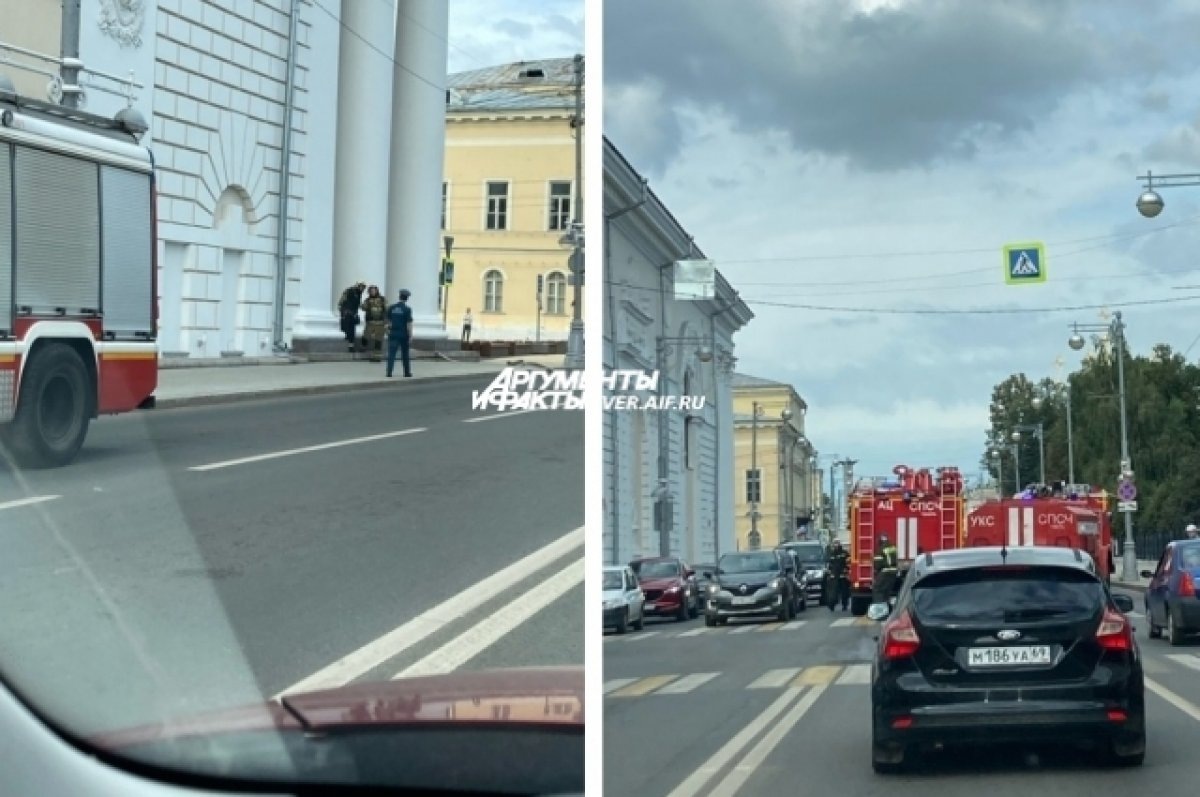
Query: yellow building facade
x=774, y=473
x=508, y=200
x=34, y=25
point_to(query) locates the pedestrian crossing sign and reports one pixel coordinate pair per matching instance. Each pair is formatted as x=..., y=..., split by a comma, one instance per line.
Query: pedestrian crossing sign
x=1024, y=263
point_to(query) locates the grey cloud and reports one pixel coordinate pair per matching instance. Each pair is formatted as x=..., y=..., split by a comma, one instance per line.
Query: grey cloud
x=1181, y=145
x=1155, y=101
x=514, y=28
x=901, y=87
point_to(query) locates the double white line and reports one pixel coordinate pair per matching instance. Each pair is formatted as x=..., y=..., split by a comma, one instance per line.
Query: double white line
x=794, y=701
x=464, y=647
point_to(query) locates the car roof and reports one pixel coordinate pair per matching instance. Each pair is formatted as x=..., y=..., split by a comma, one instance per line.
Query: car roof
x=657, y=559
x=985, y=556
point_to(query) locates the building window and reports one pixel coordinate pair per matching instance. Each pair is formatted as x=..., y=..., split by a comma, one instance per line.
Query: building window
x=556, y=294
x=497, y=206
x=560, y=205
x=493, y=292
x=445, y=194
x=754, y=485
x=689, y=443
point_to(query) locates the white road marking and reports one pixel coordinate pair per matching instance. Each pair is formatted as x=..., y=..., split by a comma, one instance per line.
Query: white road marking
x=617, y=683
x=229, y=463
x=709, y=769
x=469, y=644
x=643, y=635
x=398, y=640
x=744, y=629
x=844, y=622
x=696, y=632
x=737, y=778
x=20, y=502
x=494, y=417
x=688, y=683
x=794, y=624
x=855, y=674
x=1186, y=659
x=774, y=679
x=1186, y=706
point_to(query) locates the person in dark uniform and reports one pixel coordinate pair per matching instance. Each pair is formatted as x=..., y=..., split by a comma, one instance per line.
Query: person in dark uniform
x=400, y=326
x=839, y=576
x=374, y=307
x=348, y=306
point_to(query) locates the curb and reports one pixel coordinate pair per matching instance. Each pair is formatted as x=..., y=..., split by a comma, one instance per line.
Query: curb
x=307, y=390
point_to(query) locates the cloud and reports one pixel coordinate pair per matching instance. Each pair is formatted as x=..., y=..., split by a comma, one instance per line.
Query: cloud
x=485, y=33
x=885, y=85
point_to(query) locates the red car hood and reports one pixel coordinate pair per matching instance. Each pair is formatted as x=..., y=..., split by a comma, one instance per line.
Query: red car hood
x=532, y=695
x=661, y=583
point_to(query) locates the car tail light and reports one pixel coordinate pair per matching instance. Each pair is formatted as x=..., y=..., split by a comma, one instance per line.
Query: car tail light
x=1117, y=715
x=1187, y=586
x=902, y=722
x=900, y=639
x=1114, y=632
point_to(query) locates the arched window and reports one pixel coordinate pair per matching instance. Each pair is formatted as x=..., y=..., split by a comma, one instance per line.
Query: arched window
x=493, y=292
x=556, y=294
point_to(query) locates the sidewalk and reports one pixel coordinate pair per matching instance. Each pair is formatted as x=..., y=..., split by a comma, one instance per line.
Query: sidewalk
x=1140, y=584
x=184, y=386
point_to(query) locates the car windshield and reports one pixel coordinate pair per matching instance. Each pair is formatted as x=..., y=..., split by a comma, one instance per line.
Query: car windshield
x=1007, y=594
x=809, y=554
x=748, y=562
x=1189, y=557
x=656, y=569
x=612, y=579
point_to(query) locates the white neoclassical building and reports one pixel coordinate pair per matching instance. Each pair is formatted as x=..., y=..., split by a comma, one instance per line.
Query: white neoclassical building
x=349, y=94
x=668, y=475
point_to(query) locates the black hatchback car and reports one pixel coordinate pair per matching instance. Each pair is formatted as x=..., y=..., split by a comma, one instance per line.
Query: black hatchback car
x=992, y=644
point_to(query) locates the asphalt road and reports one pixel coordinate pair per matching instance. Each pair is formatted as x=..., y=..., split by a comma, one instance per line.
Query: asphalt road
x=200, y=558
x=785, y=709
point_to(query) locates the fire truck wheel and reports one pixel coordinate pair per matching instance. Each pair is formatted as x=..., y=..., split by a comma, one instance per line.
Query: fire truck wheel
x=53, y=410
x=859, y=604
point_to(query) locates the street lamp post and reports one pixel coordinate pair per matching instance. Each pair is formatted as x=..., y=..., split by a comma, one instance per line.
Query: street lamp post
x=575, y=358
x=755, y=537
x=1065, y=389
x=447, y=271
x=1016, y=451
x=1116, y=331
x=1039, y=431
x=664, y=518
x=1149, y=203
x=999, y=471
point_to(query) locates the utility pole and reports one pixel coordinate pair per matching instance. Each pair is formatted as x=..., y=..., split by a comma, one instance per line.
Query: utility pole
x=575, y=356
x=757, y=494
x=70, y=53
x=1129, y=557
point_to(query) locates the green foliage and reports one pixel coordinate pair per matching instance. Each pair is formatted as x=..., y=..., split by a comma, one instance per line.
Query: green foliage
x=1163, y=413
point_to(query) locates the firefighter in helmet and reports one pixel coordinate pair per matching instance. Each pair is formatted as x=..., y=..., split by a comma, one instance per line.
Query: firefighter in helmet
x=838, y=590
x=886, y=569
x=375, y=309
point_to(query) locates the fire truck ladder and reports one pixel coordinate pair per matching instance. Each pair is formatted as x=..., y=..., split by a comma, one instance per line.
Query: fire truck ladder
x=950, y=507
x=865, y=528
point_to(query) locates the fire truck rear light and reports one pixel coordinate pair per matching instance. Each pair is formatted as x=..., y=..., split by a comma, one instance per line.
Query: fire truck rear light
x=906, y=722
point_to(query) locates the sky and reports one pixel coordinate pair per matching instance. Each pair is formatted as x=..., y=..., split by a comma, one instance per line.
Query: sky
x=485, y=33
x=874, y=156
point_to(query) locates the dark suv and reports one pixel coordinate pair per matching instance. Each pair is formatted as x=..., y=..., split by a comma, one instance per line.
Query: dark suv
x=814, y=564
x=750, y=583
x=992, y=644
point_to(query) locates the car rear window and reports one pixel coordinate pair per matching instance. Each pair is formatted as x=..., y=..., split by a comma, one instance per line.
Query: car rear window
x=1007, y=594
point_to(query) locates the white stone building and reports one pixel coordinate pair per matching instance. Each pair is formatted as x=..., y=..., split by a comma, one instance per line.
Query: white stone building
x=668, y=476
x=354, y=91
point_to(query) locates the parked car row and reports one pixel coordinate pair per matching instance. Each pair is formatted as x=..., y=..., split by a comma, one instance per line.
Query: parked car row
x=661, y=586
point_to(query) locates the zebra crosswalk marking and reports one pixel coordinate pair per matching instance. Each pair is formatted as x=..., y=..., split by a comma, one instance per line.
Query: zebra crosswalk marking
x=617, y=683
x=644, y=686
x=855, y=674
x=1186, y=659
x=687, y=683
x=743, y=629
x=774, y=679
x=821, y=675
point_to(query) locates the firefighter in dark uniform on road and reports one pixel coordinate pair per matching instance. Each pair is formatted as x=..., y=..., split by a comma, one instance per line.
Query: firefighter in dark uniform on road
x=885, y=570
x=375, y=309
x=348, y=306
x=838, y=591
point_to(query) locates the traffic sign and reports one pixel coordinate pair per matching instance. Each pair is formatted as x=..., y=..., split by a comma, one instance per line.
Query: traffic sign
x=1024, y=263
x=1127, y=506
x=1127, y=491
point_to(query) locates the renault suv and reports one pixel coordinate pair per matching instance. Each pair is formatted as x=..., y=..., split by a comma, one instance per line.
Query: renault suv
x=993, y=644
x=750, y=583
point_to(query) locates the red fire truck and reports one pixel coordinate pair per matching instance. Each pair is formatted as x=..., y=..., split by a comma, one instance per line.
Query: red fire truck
x=1076, y=517
x=78, y=313
x=920, y=511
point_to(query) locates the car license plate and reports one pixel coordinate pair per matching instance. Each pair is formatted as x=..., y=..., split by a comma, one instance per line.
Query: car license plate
x=1009, y=656
x=738, y=601
x=649, y=606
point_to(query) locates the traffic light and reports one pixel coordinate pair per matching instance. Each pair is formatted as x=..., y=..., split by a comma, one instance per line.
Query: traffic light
x=448, y=270
x=540, y=284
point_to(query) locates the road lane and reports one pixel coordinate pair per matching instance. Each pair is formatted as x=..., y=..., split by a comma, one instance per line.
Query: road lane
x=150, y=589
x=678, y=694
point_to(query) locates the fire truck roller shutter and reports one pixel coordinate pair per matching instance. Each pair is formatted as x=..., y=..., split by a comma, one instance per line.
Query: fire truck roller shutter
x=58, y=224
x=1020, y=526
x=128, y=252
x=906, y=538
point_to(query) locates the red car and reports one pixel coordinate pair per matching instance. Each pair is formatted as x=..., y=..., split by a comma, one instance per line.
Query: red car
x=669, y=585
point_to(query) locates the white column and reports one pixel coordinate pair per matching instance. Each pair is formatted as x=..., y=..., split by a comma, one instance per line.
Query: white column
x=414, y=241
x=315, y=318
x=363, y=143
